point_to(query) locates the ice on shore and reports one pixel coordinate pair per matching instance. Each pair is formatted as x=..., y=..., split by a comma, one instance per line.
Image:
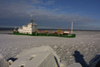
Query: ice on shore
x=87, y=43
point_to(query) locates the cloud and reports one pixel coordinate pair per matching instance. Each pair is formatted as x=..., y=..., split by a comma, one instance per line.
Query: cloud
x=42, y=2
x=50, y=2
x=18, y=13
x=35, y=1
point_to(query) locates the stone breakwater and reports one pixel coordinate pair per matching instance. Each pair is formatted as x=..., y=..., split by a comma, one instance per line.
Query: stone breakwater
x=86, y=43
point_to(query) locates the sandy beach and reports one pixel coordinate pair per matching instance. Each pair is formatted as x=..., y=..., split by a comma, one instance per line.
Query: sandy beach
x=86, y=43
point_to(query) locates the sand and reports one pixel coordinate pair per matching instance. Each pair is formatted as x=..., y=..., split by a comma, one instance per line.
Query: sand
x=85, y=46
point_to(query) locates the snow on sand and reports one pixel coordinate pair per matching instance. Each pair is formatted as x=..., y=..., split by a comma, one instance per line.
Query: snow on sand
x=86, y=43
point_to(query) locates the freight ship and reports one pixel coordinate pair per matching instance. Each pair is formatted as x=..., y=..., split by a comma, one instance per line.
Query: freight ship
x=32, y=30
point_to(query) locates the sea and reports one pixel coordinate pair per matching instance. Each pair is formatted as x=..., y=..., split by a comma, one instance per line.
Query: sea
x=11, y=29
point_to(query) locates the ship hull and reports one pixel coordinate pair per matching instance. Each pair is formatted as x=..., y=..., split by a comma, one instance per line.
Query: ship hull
x=46, y=34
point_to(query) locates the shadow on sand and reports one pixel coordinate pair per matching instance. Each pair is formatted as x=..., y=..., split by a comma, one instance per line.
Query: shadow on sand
x=79, y=59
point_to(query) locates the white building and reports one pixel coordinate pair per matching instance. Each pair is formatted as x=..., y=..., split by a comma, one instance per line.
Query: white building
x=31, y=27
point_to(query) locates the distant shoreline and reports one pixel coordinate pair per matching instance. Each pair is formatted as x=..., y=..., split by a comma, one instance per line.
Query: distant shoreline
x=11, y=29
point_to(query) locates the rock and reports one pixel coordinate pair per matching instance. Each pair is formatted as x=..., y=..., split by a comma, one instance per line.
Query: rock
x=43, y=56
x=3, y=62
x=10, y=62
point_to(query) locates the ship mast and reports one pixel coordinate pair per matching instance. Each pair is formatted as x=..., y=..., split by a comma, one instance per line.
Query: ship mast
x=31, y=19
x=72, y=28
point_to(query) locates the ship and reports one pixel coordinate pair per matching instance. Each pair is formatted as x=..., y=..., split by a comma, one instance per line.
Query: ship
x=32, y=30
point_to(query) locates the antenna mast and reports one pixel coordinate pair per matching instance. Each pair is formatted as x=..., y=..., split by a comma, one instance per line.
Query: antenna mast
x=72, y=27
x=31, y=19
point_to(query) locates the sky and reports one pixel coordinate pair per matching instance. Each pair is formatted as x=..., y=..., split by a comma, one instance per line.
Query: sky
x=85, y=14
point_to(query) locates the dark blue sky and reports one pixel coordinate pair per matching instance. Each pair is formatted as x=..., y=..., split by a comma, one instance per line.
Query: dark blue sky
x=51, y=13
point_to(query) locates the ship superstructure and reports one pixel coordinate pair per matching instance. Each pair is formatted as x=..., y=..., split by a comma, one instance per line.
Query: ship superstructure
x=29, y=29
